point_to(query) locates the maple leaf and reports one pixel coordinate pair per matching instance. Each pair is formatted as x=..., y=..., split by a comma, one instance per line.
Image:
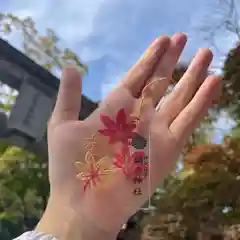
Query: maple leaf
x=92, y=171
x=119, y=130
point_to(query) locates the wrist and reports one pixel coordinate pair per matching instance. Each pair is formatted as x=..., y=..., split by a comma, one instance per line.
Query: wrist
x=64, y=223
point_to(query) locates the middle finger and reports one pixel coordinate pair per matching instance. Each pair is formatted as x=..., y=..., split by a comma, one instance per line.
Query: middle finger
x=165, y=67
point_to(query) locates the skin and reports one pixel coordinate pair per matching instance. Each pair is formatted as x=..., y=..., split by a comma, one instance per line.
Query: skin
x=99, y=214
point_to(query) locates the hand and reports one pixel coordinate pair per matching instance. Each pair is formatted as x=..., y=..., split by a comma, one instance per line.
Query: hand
x=101, y=210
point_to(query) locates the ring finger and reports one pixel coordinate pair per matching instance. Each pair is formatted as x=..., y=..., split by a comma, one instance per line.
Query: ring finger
x=187, y=86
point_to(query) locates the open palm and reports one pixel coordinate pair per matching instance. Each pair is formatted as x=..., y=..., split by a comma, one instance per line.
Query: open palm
x=108, y=202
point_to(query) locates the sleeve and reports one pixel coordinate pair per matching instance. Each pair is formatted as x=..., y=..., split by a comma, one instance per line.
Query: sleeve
x=33, y=235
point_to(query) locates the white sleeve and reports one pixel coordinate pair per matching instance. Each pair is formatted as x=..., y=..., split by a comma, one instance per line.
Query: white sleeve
x=33, y=235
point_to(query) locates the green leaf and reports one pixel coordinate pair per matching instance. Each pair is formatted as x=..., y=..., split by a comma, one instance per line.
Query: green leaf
x=7, y=215
x=7, y=28
x=5, y=106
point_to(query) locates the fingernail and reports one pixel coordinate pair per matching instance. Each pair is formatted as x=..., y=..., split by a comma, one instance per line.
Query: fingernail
x=179, y=38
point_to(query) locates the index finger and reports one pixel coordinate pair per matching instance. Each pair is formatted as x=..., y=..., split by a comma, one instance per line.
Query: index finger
x=139, y=74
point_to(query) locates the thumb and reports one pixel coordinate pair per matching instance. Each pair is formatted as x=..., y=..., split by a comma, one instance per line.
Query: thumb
x=68, y=102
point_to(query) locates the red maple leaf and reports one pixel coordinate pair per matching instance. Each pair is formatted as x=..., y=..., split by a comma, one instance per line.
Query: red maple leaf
x=119, y=130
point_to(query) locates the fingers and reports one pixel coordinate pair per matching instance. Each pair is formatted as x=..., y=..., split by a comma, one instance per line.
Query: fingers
x=166, y=65
x=187, y=86
x=142, y=70
x=183, y=126
x=69, y=97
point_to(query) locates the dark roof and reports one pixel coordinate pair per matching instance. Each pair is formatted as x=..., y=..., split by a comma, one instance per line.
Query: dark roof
x=13, y=55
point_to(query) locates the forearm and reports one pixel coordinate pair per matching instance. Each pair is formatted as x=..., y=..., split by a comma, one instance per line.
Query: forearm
x=65, y=224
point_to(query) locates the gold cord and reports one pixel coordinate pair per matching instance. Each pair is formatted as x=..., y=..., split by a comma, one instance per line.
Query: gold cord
x=143, y=96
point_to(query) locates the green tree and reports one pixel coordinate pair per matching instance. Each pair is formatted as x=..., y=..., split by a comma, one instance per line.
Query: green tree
x=24, y=189
x=231, y=73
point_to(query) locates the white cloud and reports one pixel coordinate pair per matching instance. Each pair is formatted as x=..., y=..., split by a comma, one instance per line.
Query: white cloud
x=72, y=20
x=116, y=29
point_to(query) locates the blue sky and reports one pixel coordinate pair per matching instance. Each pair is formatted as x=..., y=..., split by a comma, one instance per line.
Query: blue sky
x=110, y=35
